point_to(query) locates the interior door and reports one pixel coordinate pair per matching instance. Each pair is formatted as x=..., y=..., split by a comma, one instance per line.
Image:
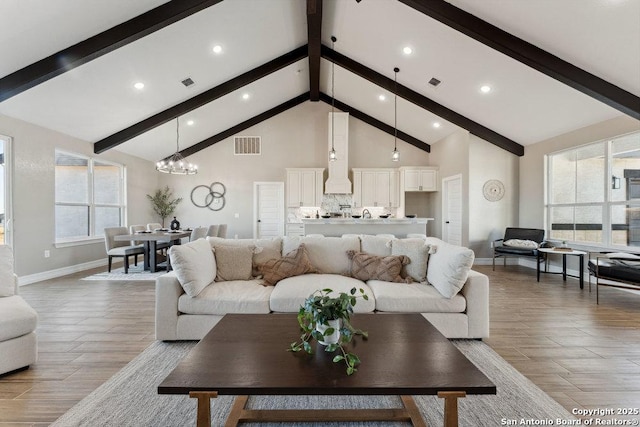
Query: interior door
x=268, y=209
x=452, y=210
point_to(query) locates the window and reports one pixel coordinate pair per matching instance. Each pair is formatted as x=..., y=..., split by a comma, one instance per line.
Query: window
x=593, y=193
x=89, y=196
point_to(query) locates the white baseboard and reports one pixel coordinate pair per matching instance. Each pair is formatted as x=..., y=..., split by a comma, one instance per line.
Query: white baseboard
x=59, y=272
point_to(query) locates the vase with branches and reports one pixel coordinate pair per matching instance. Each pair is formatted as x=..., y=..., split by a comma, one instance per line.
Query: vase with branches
x=163, y=203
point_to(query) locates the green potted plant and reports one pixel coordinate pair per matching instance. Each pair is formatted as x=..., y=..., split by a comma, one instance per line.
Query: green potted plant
x=327, y=319
x=163, y=203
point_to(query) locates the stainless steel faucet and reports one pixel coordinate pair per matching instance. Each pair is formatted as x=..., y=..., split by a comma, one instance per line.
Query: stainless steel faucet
x=366, y=214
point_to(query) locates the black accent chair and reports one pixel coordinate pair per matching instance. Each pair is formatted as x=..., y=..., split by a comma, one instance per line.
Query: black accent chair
x=504, y=252
x=617, y=267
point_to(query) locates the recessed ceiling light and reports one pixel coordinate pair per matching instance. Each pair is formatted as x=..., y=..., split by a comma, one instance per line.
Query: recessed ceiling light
x=407, y=50
x=217, y=49
x=245, y=96
x=436, y=125
x=139, y=85
x=190, y=122
x=382, y=97
x=485, y=89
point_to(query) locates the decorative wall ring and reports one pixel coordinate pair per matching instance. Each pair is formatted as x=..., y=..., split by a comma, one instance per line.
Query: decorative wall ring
x=493, y=190
x=212, y=196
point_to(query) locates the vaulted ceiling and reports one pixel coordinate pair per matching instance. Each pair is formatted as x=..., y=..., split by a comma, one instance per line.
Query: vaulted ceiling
x=552, y=66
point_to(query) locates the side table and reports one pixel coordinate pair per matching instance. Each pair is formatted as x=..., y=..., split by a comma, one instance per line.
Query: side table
x=579, y=254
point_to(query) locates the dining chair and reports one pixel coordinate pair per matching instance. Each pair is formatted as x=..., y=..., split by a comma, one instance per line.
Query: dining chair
x=199, y=233
x=121, y=249
x=213, y=231
x=222, y=231
x=153, y=226
x=133, y=229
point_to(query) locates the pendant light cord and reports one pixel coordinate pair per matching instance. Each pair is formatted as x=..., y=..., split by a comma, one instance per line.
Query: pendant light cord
x=333, y=96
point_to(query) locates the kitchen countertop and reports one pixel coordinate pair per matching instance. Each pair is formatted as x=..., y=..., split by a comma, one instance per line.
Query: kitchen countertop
x=366, y=221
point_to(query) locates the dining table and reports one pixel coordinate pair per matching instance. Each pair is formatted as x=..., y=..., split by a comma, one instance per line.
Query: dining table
x=150, y=239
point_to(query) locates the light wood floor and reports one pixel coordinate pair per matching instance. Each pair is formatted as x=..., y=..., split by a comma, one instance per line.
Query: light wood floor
x=582, y=354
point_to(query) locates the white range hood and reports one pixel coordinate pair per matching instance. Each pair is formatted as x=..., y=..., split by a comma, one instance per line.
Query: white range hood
x=338, y=181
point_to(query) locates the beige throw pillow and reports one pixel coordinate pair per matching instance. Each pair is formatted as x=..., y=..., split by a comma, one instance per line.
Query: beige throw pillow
x=418, y=253
x=365, y=267
x=266, y=249
x=233, y=262
x=294, y=263
x=194, y=265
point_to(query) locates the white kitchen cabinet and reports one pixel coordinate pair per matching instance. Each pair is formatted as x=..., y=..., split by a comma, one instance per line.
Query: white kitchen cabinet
x=295, y=230
x=419, y=179
x=375, y=187
x=304, y=187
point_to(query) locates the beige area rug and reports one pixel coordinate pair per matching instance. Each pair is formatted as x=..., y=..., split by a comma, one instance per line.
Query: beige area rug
x=130, y=397
x=135, y=273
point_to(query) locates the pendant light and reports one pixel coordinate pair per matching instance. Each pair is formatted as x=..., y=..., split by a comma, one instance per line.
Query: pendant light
x=395, y=156
x=332, y=154
x=176, y=164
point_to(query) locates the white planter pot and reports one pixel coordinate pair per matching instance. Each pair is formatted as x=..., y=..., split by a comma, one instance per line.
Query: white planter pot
x=334, y=337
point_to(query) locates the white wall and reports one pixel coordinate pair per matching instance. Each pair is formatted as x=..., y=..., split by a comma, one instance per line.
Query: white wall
x=488, y=220
x=451, y=155
x=33, y=196
x=295, y=138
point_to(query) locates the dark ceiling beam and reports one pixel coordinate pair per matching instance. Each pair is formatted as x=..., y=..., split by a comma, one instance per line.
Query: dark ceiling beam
x=376, y=123
x=314, y=36
x=245, y=125
x=529, y=54
x=422, y=101
x=200, y=100
x=100, y=44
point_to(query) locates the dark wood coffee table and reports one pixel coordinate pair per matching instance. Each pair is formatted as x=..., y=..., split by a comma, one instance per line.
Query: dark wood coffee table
x=246, y=355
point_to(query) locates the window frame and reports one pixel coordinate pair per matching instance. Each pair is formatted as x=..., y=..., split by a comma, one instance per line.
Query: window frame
x=93, y=235
x=606, y=205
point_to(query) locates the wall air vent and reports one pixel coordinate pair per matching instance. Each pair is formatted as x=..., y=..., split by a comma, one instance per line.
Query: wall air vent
x=434, y=82
x=188, y=82
x=247, y=145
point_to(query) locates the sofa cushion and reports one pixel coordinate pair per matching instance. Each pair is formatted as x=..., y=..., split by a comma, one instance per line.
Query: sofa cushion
x=365, y=266
x=292, y=264
x=327, y=254
x=234, y=262
x=194, y=264
x=270, y=249
x=220, y=298
x=449, y=266
x=418, y=252
x=7, y=281
x=414, y=298
x=289, y=294
x=375, y=245
x=17, y=318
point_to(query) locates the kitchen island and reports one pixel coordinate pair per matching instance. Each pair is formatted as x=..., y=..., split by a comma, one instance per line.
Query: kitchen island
x=399, y=227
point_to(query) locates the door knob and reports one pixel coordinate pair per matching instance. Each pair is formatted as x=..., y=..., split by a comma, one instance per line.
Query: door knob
x=446, y=222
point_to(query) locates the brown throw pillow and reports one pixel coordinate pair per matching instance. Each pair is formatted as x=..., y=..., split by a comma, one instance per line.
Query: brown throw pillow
x=295, y=263
x=373, y=267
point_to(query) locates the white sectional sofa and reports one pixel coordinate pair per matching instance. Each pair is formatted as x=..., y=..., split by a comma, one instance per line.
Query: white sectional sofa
x=189, y=302
x=18, y=321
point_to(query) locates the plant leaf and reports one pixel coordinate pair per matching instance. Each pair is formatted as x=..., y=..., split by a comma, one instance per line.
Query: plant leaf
x=338, y=358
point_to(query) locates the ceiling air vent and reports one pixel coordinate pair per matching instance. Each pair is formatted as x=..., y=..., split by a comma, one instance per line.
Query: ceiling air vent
x=434, y=82
x=247, y=145
x=188, y=82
